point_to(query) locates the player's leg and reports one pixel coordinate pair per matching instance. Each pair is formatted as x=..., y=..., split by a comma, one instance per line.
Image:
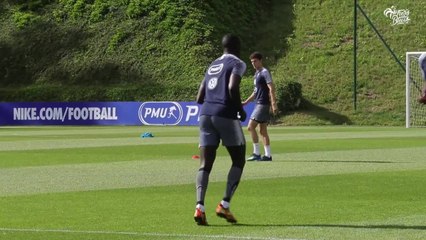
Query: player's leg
x=209, y=142
x=237, y=154
x=233, y=139
x=251, y=127
x=261, y=116
x=207, y=158
x=263, y=130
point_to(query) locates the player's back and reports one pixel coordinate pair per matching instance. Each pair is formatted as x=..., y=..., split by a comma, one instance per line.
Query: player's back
x=217, y=99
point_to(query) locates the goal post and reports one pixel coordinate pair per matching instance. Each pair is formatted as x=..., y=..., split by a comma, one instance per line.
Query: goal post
x=415, y=112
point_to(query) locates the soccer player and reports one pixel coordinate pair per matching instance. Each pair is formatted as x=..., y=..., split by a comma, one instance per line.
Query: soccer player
x=264, y=94
x=220, y=116
x=422, y=66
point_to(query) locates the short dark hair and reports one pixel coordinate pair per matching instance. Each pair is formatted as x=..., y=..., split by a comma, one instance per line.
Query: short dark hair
x=231, y=42
x=256, y=55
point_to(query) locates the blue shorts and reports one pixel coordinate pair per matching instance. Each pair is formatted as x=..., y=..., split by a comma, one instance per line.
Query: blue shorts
x=214, y=128
x=260, y=113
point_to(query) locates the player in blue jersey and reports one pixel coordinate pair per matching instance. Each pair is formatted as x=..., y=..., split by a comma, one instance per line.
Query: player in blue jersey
x=422, y=66
x=264, y=95
x=220, y=116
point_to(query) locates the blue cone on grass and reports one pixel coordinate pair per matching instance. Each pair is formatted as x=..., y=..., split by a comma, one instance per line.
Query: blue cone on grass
x=147, y=135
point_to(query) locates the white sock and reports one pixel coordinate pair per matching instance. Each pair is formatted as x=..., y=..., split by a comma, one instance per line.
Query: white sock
x=267, y=150
x=256, y=149
x=201, y=207
x=225, y=204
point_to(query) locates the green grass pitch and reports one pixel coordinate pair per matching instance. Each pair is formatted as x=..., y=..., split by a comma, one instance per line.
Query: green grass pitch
x=108, y=183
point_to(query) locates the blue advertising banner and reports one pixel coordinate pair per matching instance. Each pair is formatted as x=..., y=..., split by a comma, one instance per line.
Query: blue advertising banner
x=102, y=113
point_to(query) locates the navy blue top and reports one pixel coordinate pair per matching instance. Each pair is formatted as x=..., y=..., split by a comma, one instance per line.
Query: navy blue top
x=261, y=80
x=217, y=100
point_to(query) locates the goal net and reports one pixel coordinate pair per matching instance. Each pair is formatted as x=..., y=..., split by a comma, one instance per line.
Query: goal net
x=415, y=111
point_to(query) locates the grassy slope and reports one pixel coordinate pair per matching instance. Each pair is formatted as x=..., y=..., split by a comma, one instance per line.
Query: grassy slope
x=162, y=50
x=307, y=41
x=321, y=57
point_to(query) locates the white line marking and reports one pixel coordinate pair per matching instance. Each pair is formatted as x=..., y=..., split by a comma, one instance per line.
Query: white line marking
x=140, y=234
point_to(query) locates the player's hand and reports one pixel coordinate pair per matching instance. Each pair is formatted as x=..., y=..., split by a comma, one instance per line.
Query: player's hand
x=243, y=115
x=274, y=109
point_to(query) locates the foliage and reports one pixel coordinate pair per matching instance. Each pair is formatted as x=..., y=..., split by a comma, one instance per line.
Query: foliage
x=118, y=42
x=29, y=5
x=289, y=96
x=168, y=44
x=140, y=8
x=23, y=19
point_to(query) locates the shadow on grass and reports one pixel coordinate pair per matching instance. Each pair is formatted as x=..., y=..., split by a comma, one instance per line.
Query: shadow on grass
x=337, y=161
x=323, y=114
x=390, y=226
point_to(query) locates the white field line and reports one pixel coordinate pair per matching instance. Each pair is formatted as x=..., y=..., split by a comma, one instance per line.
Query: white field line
x=152, y=234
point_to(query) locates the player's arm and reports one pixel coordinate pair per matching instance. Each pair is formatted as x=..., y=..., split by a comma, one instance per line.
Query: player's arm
x=250, y=98
x=201, y=93
x=234, y=88
x=272, y=95
x=234, y=91
x=271, y=87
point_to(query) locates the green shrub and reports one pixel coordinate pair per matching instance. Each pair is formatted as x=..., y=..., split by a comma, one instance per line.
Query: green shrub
x=140, y=8
x=116, y=39
x=23, y=19
x=30, y=5
x=99, y=9
x=38, y=93
x=289, y=96
x=121, y=94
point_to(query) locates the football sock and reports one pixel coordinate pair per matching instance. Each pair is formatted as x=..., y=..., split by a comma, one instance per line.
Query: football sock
x=267, y=150
x=201, y=185
x=201, y=207
x=256, y=149
x=224, y=203
x=234, y=177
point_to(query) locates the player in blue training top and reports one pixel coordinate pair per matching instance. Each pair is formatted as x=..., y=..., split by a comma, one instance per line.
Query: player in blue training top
x=264, y=95
x=220, y=116
x=422, y=66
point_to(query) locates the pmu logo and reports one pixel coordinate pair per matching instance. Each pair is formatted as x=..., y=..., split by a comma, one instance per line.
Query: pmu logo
x=215, y=69
x=160, y=113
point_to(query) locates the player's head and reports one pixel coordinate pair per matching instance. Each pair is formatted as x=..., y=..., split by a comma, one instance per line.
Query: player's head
x=256, y=55
x=256, y=60
x=231, y=44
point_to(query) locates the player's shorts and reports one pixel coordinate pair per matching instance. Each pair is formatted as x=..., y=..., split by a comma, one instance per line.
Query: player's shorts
x=260, y=113
x=214, y=128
